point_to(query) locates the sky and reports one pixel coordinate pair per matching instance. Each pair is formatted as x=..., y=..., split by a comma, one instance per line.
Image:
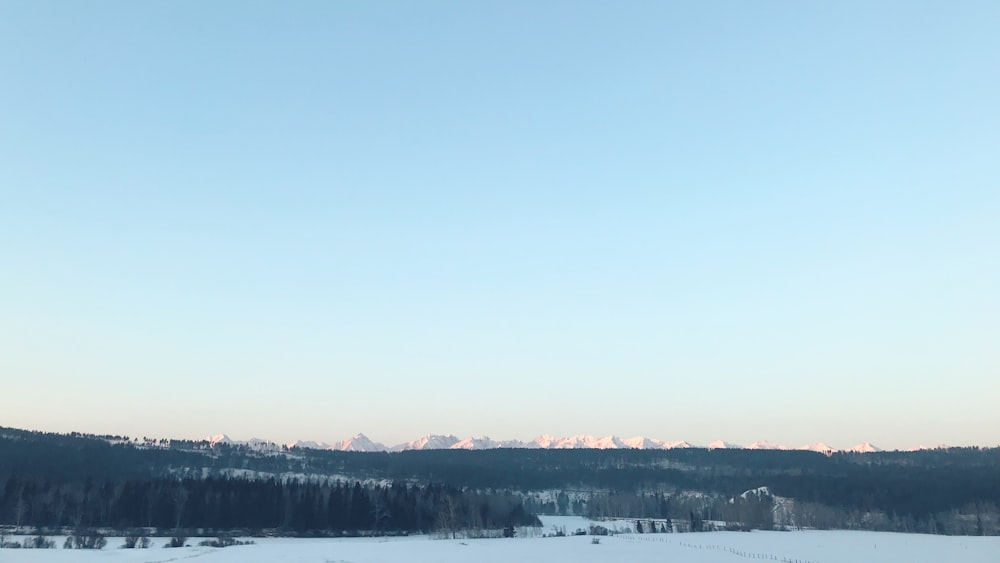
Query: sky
x=684, y=220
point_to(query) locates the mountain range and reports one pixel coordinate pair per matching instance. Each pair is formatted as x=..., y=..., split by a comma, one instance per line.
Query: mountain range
x=362, y=443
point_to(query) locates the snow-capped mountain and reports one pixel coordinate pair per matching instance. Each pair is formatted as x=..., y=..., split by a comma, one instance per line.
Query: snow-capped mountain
x=679, y=444
x=545, y=441
x=723, y=445
x=592, y=442
x=766, y=445
x=643, y=443
x=361, y=443
x=310, y=444
x=480, y=443
x=865, y=448
x=818, y=447
x=429, y=442
x=218, y=439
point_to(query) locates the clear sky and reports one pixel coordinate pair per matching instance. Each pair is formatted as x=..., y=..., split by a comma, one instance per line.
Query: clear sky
x=685, y=220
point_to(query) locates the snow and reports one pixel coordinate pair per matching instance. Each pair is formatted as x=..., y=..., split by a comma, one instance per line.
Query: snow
x=480, y=443
x=585, y=441
x=429, y=442
x=546, y=441
x=310, y=445
x=710, y=547
x=677, y=444
x=818, y=447
x=759, y=491
x=765, y=445
x=723, y=445
x=218, y=439
x=361, y=443
x=570, y=524
x=865, y=448
x=643, y=443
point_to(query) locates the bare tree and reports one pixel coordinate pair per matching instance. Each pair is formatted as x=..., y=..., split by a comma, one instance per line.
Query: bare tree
x=180, y=496
x=446, y=516
x=20, y=507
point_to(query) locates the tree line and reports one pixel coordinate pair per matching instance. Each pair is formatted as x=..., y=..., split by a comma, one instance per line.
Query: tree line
x=954, y=490
x=209, y=505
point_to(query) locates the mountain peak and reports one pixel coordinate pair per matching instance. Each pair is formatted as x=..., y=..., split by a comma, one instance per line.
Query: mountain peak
x=362, y=443
x=480, y=443
x=219, y=439
x=723, y=445
x=429, y=442
x=359, y=443
x=310, y=445
x=819, y=447
x=766, y=445
x=643, y=443
x=679, y=444
x=865, y=448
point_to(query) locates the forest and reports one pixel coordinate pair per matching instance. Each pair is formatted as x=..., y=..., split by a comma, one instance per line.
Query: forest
x=212, y=505
x=58, y=480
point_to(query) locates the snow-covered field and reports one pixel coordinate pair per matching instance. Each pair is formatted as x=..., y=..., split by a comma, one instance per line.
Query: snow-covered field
x=712, y=547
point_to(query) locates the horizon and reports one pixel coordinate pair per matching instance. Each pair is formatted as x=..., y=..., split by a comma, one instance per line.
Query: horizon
x=703, y=221
x=765, y=444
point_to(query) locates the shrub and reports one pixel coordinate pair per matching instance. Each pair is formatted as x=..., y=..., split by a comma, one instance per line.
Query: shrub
x=7, y=544
x=596, y=530
x=136, y=539
x=40, y=542
x=223, y=541
x=85, y=539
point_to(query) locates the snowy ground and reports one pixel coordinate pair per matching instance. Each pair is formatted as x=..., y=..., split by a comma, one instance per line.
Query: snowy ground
x=713, y=547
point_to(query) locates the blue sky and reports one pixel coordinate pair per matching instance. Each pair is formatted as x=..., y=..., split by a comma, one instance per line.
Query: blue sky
x=684, y=220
